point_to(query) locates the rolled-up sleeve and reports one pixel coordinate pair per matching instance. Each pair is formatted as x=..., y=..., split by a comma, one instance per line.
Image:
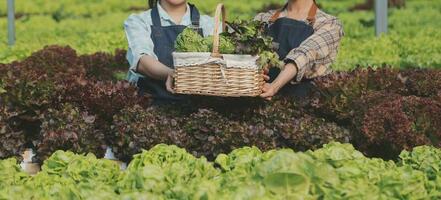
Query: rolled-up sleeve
x=138, y=33
x=320, y=48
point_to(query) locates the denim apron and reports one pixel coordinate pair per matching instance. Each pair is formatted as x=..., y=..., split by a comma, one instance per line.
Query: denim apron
x=288, y=34
x=164, y=38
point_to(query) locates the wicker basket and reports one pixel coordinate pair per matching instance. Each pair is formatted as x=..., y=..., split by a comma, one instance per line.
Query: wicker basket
x=214, y=74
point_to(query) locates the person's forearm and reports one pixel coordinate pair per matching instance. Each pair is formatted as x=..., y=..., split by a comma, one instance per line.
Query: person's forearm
x=285, y=76
x=151, y=67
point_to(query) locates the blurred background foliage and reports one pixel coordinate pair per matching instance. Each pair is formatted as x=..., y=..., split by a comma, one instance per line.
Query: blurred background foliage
x=97, y=25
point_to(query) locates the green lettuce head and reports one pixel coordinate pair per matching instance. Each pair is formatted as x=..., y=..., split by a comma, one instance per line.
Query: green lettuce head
x=191, y=41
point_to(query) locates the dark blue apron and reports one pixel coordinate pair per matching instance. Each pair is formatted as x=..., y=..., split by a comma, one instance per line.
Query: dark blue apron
x=164, y=38
x=288, y=34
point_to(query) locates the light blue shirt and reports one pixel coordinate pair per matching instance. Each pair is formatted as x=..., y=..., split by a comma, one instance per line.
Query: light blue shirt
x=138, y=32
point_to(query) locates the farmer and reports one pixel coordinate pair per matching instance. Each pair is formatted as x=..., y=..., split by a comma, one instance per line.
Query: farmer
x=307, y=40
x=151, y=36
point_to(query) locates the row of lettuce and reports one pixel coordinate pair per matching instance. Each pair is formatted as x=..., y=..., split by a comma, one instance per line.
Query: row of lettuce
x=90, y=9
x=57, y=100
x=99, y=27
x=336, y=171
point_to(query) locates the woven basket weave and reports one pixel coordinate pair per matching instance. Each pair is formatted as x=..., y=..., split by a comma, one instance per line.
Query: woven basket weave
x=213, y=75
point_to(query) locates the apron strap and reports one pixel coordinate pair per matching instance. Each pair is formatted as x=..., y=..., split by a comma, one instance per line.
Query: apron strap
x=195, y=16
x=276, y=15
x=311, y=14
x=155, y=16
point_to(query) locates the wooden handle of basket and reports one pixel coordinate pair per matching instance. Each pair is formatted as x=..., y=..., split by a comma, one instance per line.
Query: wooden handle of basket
x=220, y=10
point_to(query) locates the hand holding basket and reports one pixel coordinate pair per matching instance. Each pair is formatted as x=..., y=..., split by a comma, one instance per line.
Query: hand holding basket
x=216, y=74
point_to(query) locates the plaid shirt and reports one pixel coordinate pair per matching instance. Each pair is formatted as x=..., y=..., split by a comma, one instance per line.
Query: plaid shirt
x=315, y=55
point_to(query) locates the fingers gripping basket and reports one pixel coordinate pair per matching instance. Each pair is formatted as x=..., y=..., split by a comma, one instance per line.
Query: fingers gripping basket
x=215, y=74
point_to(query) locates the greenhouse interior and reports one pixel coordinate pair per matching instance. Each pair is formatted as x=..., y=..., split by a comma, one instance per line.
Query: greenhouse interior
x=220, y=99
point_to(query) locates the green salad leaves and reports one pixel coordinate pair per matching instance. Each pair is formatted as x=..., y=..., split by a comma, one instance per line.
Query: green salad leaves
x=242, y=37
x=191, y=41
x=336, y=171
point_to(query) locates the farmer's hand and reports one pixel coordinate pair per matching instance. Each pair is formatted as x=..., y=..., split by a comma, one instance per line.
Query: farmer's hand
x=286, y=75
x=265, y=74
x=269, y=90
x=169, y=83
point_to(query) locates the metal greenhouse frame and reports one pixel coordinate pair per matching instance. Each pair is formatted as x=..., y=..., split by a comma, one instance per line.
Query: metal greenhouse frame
x=381, y=17
x=11, y=22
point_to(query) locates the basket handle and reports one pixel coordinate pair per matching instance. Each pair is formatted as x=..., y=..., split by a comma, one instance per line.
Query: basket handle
x=220, y=10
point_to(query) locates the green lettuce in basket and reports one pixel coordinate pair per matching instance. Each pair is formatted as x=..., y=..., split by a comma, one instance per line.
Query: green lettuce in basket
x=242, y=37
x=191, y=41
